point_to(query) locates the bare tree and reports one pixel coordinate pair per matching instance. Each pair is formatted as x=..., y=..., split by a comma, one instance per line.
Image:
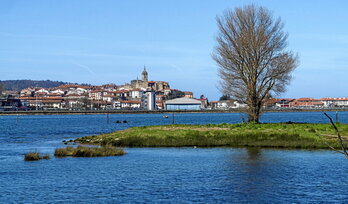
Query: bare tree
x=251, y=56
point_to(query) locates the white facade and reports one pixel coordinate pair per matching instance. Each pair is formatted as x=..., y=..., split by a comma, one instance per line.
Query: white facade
x=149, y=100
x=136, y=93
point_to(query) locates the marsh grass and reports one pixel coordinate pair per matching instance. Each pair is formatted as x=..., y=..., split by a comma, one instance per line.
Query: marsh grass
x=82, y=151
x=275, y=135
x=34, y=156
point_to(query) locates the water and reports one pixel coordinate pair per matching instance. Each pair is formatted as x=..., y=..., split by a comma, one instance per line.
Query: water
x=163, y=175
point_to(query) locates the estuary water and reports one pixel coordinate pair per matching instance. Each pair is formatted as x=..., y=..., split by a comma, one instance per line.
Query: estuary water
x=163, y=175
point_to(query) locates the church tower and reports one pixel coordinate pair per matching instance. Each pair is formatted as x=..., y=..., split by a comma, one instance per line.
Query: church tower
x=144, y=75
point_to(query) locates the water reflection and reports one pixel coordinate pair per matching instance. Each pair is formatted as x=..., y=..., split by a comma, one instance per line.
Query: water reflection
x=253, y=153
x=255, y=173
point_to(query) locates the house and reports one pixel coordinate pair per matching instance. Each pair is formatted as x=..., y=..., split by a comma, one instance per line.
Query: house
x=306, y=103
x=278, y=103
x=41, y=92
x=136, y=93
x=96, y=95
x=122, y=94
x=52, y=103
x=223, y=104
x=188, y=94
x=130, y=104
x=160, y=101
x=335, y=102
x=27, y=92
x=108, y=98
x=284, y=102
x=101, y=104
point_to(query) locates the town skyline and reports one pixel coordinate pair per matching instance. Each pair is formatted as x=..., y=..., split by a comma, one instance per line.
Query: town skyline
x=101, y=43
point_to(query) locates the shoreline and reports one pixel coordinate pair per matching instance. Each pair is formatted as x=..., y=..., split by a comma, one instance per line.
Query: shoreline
x=89, y=112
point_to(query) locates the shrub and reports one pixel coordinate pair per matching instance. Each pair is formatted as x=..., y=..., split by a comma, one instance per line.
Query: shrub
x=34, y=156
x=81, y=151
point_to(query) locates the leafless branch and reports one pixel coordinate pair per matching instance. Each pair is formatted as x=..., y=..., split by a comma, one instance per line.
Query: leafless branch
x=344, y=150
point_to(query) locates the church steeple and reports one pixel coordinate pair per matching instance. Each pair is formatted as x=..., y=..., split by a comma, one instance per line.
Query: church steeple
x=144, y=75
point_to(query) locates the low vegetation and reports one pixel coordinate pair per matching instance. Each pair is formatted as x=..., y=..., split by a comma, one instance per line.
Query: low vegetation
x=34, y=156
x=275, y=135
x=88, y=151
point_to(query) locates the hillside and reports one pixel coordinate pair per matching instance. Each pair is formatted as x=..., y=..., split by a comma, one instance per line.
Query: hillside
x=16, y=85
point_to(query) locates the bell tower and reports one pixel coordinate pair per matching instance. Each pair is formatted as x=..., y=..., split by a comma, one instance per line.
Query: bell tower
x=144, y=75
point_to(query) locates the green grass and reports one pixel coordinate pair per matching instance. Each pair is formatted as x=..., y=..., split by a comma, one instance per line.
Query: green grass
x=88, y=151
x=34, y=156
x=275, y=135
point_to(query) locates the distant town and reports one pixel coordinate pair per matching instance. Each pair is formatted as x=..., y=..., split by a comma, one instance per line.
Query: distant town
x=139, y=94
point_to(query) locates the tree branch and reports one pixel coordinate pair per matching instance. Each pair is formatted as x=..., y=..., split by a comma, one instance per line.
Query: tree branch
x=344, y=150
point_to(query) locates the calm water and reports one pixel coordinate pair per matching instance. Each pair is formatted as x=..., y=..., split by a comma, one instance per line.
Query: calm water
x=163, y=175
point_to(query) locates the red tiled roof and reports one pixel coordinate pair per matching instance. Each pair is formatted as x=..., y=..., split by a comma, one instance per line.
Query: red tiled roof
x=41, y=98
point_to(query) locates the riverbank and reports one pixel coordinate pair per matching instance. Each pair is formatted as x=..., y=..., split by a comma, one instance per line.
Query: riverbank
x=275, y=135
x=91, y=112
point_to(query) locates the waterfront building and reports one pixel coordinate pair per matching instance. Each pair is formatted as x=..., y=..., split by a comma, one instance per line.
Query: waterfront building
x=306, y=103
x=130, y=104
x=183, y=104
x=149, y=100
x=335, y=102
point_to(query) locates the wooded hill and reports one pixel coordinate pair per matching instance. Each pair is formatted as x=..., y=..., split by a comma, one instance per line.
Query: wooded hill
x=17, y=85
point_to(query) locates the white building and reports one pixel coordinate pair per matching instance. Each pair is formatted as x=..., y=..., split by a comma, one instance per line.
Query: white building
x=183, y=104
x=149, y=100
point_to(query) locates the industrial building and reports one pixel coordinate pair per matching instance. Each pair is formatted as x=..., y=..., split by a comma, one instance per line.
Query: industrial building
x=183, y=104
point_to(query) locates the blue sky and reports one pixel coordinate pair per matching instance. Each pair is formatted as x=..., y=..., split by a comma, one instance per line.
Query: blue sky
x=102, y=41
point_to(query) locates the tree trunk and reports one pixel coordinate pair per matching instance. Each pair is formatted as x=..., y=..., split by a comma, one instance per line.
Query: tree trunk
x=254, y=113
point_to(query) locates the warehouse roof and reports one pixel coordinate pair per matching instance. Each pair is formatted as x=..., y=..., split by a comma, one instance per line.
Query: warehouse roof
x=183, y=101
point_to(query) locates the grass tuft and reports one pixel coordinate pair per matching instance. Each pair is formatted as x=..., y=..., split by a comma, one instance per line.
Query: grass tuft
x=81, y=151
x=34, y=156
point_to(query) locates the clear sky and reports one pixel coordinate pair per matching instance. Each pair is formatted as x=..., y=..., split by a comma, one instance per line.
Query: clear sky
x=103, y=41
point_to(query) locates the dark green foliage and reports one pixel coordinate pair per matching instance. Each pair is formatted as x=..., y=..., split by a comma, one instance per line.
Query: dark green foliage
x=88, y=151
x=224, y=97
x=17, y=85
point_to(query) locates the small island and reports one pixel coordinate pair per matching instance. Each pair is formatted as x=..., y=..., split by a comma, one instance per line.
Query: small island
x=272, y=135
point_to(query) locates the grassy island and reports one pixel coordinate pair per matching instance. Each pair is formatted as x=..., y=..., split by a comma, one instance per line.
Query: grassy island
x=275, y=135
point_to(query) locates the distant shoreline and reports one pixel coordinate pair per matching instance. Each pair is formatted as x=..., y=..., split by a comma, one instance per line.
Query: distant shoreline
x=90, y=112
